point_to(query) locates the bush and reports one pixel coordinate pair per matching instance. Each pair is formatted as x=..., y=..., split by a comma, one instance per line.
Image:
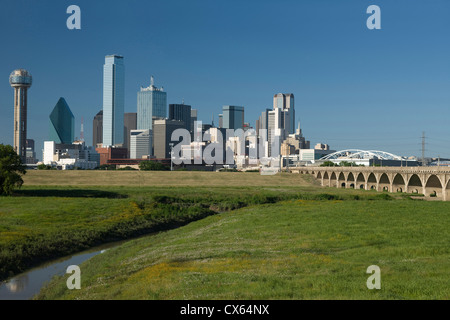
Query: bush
x=107, y=167
x=43, y=167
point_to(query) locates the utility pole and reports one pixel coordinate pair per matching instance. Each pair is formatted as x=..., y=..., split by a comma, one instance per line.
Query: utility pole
x=423, y=149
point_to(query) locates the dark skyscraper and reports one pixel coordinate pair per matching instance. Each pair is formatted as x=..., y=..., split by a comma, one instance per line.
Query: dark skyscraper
x=62, y=123
x=233, y=117
x=181, y=112
x=97, y=129
x=129, y=123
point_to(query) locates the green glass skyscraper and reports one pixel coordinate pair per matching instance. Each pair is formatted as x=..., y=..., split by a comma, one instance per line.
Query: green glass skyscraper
x=62, y=123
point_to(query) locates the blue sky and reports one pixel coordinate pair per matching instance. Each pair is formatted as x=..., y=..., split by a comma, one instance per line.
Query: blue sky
x=353, y=87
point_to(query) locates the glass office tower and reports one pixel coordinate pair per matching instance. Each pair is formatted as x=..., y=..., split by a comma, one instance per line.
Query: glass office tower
x=233, y=117
x=151, y=103
x=113, y=100
x=62, y=123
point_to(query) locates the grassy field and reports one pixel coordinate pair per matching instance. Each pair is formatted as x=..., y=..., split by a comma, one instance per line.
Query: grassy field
x=161, y=178
x=50, y=218
x=249, y=236
x=297, y=249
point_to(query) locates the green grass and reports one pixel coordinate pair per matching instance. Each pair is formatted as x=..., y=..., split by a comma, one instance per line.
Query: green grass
x=296, y=249
x=40, y=223
x=243, y=236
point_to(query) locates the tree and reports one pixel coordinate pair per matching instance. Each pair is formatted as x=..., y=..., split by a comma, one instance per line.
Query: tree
x=152, y=166
x=329, y=164
x=11, y=170
x=43, y=167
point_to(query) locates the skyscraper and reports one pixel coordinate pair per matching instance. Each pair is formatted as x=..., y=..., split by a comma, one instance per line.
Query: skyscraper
x=129, y=123
x=20, y=80
x=181, y=112
x=62, y=123
x=151, y=103
x=97, y=129
x=275, y=132
x=113, y=100
x=285, y=102
x=233, y=117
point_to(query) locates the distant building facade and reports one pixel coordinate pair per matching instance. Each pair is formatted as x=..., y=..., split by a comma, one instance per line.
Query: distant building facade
x=70, y=156
x=193, y=120
x=31, y=153
x=140, y=143
x=129, y=123
x=162, y=134
x=181, y=112
x=97, y=129
x=111, y=153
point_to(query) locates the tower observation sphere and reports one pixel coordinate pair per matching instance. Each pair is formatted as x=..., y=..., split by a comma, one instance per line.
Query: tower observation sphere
x=20, y=80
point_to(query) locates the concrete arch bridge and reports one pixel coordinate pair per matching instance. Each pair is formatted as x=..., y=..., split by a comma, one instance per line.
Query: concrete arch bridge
x=429, y=181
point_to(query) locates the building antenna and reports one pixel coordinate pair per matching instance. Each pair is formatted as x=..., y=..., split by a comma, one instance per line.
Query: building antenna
x=152, y=81
x=212, y=120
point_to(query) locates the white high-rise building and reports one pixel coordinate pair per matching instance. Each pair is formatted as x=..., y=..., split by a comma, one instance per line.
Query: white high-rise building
x=140, y=143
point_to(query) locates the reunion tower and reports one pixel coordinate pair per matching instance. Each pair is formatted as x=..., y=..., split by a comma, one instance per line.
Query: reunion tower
x=20, y=80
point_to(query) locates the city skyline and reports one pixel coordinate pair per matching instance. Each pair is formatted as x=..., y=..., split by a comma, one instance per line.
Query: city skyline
x=355, y=88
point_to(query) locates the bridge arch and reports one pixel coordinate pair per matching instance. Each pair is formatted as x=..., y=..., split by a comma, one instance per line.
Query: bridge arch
x=384, y=183
x=360, y=181
x=414, y=184
x=398, y=183
x=341, y=180
x=372, y=183
x=433, y=186
x=333, y=179
x=350, y=180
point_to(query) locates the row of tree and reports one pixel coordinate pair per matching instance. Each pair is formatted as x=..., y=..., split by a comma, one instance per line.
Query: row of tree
x=341, y=164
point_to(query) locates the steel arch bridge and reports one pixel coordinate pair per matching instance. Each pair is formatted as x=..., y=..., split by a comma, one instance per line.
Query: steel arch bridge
x=361, y=154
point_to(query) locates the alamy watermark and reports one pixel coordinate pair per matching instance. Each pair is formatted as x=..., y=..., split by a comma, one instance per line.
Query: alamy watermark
x=74, y=281
x=374, y=281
